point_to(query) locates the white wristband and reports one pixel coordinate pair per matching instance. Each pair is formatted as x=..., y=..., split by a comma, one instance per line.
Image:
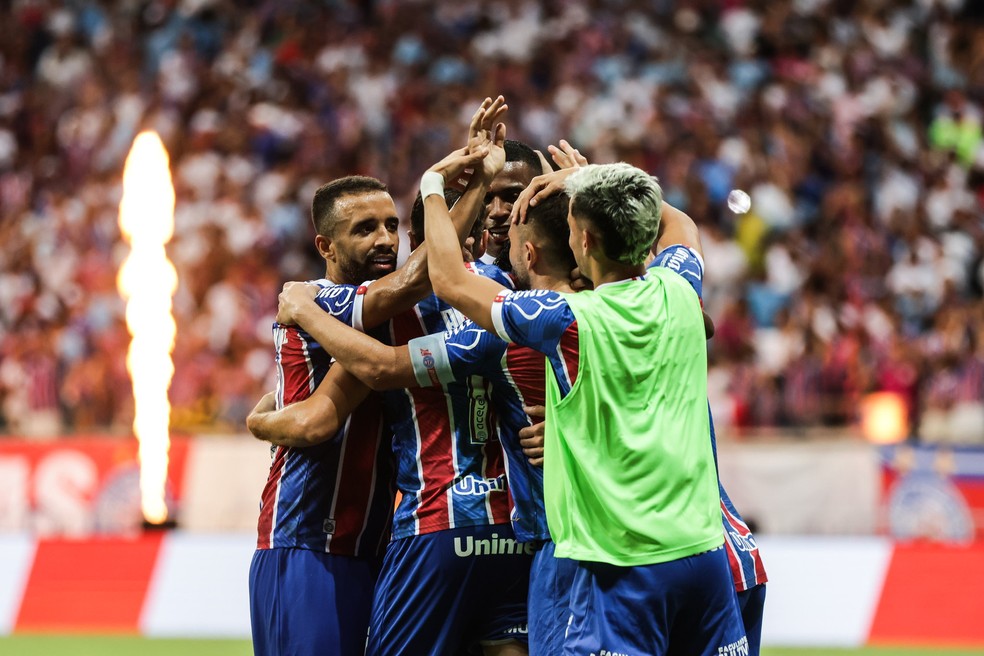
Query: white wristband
x=431, y=183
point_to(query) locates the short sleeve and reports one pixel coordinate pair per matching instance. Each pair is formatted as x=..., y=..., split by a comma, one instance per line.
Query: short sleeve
x=685, y=261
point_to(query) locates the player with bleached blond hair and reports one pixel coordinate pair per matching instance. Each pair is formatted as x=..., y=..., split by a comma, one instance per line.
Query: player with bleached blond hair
x=630, y=481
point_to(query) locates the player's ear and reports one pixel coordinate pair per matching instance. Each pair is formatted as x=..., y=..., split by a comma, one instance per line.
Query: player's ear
x=532, y=255
x=589, y=241
x=325, y=246
x=413, y=240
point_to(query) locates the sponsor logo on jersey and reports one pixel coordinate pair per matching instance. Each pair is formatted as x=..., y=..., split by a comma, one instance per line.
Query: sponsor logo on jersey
x=479, y=416
x=494, y=546
x=605, y=652
x=739, y=648
x=473, y=486
x=741, y=542
x=674, y=260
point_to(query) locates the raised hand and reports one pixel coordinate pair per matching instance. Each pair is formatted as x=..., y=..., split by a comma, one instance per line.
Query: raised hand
x=542, y=186
x=567, y=156
x=486, y=130
x=294, y=297
x=454, y=165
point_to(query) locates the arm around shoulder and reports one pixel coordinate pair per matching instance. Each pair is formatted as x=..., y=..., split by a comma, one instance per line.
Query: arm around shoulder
x=313, y=420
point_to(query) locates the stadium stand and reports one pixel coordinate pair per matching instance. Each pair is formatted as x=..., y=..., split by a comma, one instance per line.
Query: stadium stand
x=856, y=128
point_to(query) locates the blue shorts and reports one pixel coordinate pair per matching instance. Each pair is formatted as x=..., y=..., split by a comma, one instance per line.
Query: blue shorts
x=551, y=580
x=685, y=607
x=444, y=592
x=308, y=602
x=752, y=605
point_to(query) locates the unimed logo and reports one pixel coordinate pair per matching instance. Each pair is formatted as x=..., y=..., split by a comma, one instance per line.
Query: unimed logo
x=494, y=546
x=473, y=486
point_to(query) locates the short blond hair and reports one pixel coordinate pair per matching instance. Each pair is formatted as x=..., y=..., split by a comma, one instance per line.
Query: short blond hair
x=623, y=203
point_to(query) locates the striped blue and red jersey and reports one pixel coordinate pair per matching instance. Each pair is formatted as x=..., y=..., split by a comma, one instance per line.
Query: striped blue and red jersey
x=744, y=558
x=336, y=496
x=449, y=464
x=517, y=375
x=543, y=320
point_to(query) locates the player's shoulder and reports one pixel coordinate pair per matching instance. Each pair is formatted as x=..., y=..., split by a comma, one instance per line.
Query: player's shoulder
x=530, y=310
x=538, y=296
x=337, y=297
x=492, y=272
x=683, y=261
x=678, y=257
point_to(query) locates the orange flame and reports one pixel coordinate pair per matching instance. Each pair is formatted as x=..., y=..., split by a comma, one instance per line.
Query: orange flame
x=884, y=418
x=147, y=280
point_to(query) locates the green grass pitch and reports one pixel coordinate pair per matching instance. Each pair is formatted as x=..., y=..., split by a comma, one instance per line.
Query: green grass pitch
x=94, y=645
x=43, y=645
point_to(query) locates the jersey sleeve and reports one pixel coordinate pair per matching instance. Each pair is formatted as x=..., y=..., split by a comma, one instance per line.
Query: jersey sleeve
x=492, y=272
x=536, y=318
x=685, y=261
x=466, y=351
x=344, y=302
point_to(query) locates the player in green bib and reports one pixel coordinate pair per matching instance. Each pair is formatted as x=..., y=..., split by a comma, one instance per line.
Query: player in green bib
x=629, y=478
x=623, y=484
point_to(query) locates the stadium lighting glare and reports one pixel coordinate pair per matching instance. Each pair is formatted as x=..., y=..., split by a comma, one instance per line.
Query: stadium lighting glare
x=739, y=201
x=884, y=418
x=147, y=280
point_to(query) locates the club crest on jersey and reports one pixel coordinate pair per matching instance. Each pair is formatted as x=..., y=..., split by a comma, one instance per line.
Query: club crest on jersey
x=473, y=486
x=430, y=364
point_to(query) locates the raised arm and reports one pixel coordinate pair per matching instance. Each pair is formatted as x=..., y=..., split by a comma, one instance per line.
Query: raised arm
x=676, y=227
x=404, y=288
x=312, y=421
x=472, y=295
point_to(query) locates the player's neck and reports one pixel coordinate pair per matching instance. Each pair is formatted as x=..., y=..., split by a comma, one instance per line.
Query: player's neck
x=553, y=282
x=335, y=275
x=601, y=272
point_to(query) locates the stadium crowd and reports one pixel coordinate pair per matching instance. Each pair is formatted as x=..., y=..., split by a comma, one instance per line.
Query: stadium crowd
x=855, y=127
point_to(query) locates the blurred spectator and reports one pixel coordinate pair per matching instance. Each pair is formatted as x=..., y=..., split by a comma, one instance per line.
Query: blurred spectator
x=854, y=127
